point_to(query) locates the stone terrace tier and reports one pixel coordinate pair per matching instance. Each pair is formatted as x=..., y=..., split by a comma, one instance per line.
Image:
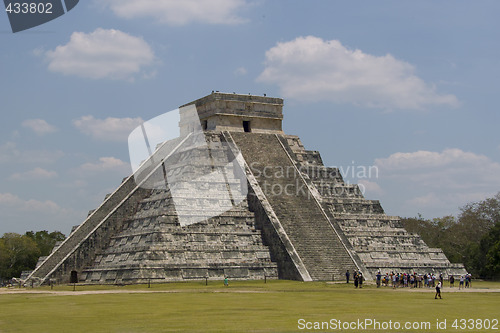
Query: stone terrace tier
x=380, y=241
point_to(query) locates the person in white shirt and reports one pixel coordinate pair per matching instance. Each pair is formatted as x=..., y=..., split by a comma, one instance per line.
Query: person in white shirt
x=438, y=290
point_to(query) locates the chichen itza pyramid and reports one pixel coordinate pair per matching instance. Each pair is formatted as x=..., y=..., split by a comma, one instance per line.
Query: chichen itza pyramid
x=315, y=230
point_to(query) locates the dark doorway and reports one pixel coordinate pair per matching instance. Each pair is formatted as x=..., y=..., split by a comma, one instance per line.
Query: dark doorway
x=204, y=125
x=74, y=277
x=246, y=126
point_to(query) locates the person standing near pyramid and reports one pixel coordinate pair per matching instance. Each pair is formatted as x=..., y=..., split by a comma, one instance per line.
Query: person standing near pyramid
x=438, y=290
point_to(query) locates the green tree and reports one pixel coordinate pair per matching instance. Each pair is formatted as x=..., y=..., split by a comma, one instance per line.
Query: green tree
x=420, y=226
x=478, y=218
x=473, y=238
x=486, y=254
x=476, y=224
x=442, y=232
x=17, y=253
x=45, y=240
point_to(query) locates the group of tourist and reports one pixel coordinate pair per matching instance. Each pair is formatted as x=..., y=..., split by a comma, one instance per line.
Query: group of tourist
x=358, y=278
x=414, y=280
x=464, y=279
x=408, y=280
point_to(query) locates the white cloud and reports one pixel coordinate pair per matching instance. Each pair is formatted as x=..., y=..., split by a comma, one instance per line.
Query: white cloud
x=35, y=174
x=39, y=126
x=369, y=188
x=429, y=199
x=240, y=71
x=310, y=68
x=74, y=184
x=109, y=129
x=438, y=182
x=10, y=153
x=433, y=201
x=106, y=164
x=429, y=159
x=452, y=168
x=102, y=54
x=175, y=12
x=39, y=51
x=11, y=201
x=19, y=215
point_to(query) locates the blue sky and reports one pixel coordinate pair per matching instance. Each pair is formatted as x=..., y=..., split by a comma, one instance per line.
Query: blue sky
x=408, y=87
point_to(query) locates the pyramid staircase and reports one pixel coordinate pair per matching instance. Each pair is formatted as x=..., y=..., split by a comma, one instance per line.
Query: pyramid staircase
x=313, y=235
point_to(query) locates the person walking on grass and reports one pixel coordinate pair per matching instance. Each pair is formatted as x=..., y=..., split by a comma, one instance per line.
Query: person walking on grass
x=226, y=281
x=438, y=290
x=347, y=275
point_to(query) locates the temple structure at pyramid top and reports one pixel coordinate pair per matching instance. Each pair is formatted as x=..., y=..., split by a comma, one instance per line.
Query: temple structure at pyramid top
x=240, y=113
x=294, y=218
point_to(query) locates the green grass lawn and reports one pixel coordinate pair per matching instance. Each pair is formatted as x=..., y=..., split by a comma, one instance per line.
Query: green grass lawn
x=244, y=306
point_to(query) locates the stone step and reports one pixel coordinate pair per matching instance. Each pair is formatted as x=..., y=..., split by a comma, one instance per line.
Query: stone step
x=309, y=231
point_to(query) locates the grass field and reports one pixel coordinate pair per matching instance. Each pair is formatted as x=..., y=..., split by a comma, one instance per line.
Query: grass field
x=244, y=306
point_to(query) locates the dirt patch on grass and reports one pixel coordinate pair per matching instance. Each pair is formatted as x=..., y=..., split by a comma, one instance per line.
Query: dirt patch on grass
x=6, y=291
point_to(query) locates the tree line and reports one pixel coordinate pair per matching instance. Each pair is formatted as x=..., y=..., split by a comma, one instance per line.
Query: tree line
x=21, y=252
x=471, y=238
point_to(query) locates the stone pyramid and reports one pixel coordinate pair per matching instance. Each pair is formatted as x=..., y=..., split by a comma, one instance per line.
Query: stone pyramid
x=297, y=219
